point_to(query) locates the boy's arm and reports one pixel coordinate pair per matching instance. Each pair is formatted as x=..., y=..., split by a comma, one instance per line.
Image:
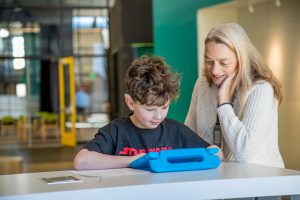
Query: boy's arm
x=220, y=152
x=86, y=160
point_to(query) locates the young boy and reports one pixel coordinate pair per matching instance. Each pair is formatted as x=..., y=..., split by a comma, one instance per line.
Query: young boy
x=151, y=87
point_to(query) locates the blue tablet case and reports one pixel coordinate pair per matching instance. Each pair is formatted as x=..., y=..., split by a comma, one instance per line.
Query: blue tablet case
x=178, y=160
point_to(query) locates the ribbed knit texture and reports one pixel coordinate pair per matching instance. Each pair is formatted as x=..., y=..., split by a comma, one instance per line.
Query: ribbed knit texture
x=254, y=137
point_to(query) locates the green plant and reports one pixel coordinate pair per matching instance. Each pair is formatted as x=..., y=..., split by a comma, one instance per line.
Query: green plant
x=8, y=120
x=49, y=118
x=22, y=118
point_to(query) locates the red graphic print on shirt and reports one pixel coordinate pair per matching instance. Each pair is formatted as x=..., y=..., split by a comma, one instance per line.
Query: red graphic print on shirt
x=128, y=151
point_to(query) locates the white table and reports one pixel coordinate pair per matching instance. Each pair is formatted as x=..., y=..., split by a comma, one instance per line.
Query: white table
x=230, y=180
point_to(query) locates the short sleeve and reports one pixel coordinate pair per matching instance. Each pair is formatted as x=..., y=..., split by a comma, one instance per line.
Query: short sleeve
x=103, y=142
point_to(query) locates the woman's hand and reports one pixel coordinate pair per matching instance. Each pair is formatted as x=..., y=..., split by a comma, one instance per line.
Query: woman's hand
x=224, y=90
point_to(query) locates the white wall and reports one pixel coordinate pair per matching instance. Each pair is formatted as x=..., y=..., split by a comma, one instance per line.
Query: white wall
x=275, y=31
x=207, y=18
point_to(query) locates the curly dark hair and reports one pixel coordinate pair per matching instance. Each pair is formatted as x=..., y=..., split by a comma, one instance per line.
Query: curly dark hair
x=150, y=81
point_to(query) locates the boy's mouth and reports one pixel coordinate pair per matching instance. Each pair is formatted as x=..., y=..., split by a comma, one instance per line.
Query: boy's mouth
x=155, y=123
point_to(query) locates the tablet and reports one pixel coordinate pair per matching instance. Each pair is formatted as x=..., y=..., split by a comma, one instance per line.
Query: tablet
x=175, y=160
x=61, y=179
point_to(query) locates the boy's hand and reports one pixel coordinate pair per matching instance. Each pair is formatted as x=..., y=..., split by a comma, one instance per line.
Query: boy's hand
x=220, y=152
x=133, y=158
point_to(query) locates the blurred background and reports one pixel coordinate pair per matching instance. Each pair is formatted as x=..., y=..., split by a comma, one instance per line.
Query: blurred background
x=62, y=67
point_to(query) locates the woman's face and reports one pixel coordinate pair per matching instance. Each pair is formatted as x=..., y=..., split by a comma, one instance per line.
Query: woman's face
x=220, y=62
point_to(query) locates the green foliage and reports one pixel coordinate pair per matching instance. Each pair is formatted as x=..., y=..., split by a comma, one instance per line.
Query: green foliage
x=49, y=118
x=22, y=118
x=8, y=120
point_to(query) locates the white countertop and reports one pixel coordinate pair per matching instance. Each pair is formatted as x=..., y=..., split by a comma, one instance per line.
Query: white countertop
x=230, y=180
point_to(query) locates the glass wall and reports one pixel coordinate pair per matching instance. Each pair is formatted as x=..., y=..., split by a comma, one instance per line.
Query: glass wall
x=33, y=37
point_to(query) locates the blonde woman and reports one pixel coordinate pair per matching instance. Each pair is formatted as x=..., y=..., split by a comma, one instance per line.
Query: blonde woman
x=235, y=101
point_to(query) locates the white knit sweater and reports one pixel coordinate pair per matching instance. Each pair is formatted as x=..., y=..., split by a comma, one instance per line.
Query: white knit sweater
x=253, y=138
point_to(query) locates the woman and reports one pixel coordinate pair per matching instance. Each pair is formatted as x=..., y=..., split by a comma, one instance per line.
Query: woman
x=238, y=92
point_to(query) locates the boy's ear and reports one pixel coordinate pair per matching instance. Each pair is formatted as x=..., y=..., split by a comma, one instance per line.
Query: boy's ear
x=129, y=102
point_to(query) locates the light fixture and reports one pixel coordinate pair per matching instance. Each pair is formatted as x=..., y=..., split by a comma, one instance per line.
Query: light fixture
x=250, y=8
x=4, y=33
x=18, y=63
x=21, y=90
x=277, y=3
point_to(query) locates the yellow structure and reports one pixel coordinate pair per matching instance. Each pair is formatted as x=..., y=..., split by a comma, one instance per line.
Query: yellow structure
x=67, y=101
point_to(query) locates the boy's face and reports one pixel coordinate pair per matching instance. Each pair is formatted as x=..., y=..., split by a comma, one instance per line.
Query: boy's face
x=146, y=117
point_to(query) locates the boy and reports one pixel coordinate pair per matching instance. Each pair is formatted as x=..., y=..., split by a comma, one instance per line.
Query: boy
x=151, y=87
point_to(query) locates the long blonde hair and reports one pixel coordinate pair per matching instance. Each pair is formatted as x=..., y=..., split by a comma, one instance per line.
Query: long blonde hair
x=251, y=66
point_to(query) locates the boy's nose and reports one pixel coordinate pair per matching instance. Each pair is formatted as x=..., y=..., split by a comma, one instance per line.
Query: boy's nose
x=157, y=115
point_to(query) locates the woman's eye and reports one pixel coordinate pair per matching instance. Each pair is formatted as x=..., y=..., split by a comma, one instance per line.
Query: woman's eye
x=208, y=62
x=225, y=64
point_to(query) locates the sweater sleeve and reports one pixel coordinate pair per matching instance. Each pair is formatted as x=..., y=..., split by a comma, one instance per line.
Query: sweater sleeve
x=191, y=118
x=246, y=136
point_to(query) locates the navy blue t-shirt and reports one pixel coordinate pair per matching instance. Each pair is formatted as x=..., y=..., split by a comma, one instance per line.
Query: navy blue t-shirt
x=122, y=137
